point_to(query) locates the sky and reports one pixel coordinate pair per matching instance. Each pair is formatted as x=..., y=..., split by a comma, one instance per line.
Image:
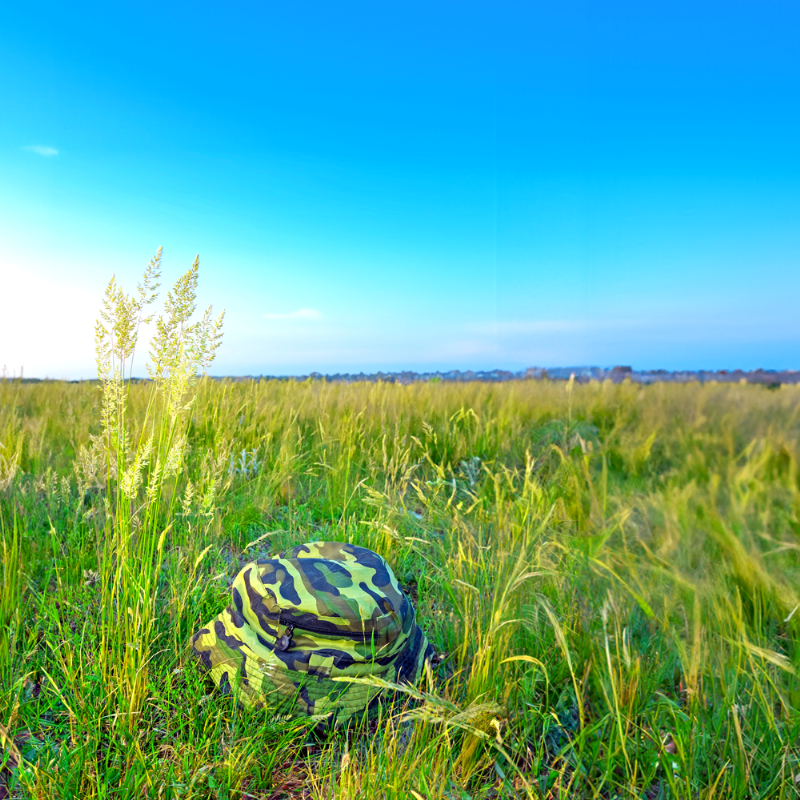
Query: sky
x=418, y=185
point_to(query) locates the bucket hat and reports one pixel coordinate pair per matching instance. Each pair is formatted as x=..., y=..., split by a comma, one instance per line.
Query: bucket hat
x=311, y=614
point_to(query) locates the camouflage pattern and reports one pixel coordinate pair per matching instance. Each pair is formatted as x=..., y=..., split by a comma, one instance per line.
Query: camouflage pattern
x=313, y=613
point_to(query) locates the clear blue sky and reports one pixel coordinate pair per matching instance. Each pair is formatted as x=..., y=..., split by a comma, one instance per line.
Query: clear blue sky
x=431, y=185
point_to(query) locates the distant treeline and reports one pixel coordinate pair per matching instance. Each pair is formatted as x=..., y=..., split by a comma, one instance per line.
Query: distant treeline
x=582, y=375
x=767, y=377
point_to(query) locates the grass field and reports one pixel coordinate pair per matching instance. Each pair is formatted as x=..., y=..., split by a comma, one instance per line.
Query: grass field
x=610, y=573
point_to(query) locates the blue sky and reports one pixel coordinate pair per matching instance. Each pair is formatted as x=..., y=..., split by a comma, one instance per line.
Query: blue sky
x=431, y=185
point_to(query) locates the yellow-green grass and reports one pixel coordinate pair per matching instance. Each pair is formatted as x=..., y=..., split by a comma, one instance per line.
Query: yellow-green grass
x=611, y=572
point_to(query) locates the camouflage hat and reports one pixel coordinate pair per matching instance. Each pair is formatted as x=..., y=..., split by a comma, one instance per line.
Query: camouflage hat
x=317, y=612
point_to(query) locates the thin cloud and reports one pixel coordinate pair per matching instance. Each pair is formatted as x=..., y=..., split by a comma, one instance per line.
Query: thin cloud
x=512, y=327
x=554, y=326
x=302, y=313
x=41, y=150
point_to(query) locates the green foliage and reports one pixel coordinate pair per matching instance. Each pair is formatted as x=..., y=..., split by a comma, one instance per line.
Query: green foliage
x=610, y=572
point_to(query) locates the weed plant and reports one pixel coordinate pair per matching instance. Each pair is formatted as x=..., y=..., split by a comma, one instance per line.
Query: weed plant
x=609, y=575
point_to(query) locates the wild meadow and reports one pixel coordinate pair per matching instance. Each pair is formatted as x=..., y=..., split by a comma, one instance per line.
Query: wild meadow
x=610, y=576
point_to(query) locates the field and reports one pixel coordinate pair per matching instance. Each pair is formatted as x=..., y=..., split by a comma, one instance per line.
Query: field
x=610, y=575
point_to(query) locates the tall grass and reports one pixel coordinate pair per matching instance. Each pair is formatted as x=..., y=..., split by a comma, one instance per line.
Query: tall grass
x=141, y=461
x=609, y=572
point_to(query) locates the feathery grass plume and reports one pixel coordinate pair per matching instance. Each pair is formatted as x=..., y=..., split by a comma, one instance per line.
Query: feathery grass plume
x=143, y=463
x=12, y=437
x=9, y=466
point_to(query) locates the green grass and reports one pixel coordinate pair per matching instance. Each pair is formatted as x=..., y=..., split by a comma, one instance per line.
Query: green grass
x=611, y=572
